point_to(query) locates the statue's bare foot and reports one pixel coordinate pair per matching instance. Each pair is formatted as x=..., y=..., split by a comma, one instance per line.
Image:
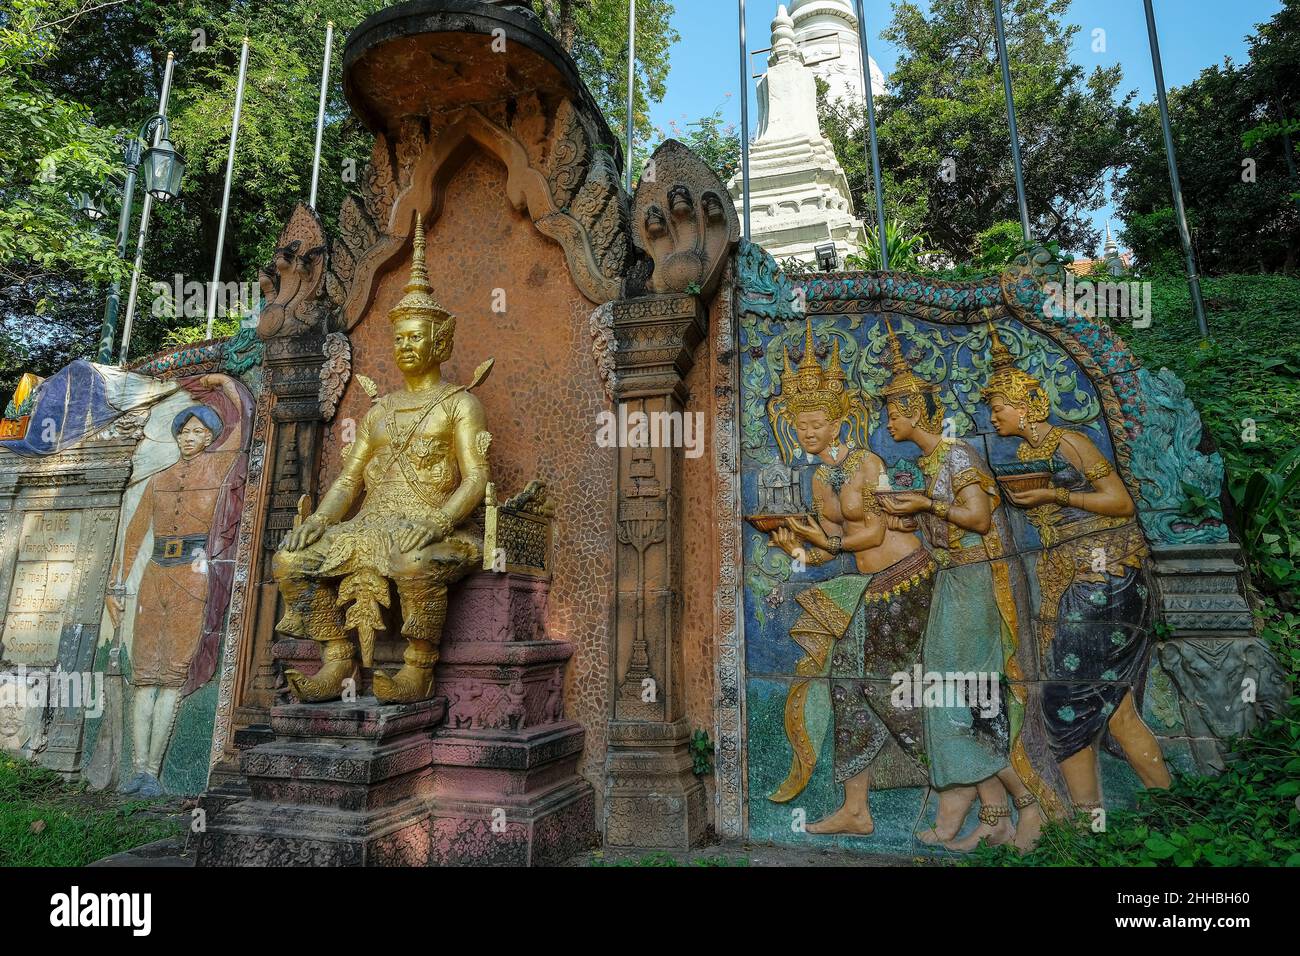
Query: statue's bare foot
x=1001, y=832
x=325, y=684
x=934, y=835
x=953, y=807
x=407, y=686
x=1028, y=828
x=845, y=820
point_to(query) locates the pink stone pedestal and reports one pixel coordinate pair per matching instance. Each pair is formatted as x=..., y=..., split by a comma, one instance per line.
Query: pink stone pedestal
x=484, y=774
x=342, y=784
x=505, y=779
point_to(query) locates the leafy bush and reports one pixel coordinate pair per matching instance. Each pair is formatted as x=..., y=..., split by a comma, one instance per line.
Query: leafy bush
x=1245, y=382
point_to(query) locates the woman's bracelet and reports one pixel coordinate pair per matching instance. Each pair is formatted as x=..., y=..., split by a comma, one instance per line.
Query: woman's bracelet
x=834, y=545
x=939, y=509
x=1063, y=497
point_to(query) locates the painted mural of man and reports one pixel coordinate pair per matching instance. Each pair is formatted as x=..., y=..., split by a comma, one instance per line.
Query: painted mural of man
x=187, y=518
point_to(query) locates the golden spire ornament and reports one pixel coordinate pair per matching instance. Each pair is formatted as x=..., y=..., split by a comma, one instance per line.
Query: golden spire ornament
x=808, y=387
x=908, y=390
x=418, y=301
x=1014, y=384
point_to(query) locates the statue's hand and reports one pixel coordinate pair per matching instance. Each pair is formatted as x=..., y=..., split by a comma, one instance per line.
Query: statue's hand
x=305, y=535
x=115, y=606
x=417, y=537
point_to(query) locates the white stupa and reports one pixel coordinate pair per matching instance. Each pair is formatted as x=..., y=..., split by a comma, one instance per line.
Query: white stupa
x=799, y=195
x=827, y=33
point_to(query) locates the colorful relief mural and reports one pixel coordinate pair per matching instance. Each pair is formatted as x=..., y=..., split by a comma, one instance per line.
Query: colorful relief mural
x=170, y=590
x=947, y=601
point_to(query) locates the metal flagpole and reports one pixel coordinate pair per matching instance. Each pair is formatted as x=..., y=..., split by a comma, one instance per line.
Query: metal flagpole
x=744, y=123
x=225, y=196
x=147, y=208
x=631, y=87
x=871, y=135
x=1011, y=119
x=320, y=112
x=1193, y=279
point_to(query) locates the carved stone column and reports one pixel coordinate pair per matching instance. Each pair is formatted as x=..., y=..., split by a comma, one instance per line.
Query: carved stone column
x=293, y=453
x=294, y=325
x=652, y=798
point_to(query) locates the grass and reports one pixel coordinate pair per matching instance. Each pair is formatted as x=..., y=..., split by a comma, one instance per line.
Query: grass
x=46, y=822
x=664, y=858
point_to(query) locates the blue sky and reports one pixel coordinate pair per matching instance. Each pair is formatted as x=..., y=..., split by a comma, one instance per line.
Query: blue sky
x=1194, y=34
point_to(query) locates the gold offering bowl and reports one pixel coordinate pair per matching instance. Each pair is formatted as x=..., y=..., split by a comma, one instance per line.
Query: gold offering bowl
x=769, y=523
x=1031, y=481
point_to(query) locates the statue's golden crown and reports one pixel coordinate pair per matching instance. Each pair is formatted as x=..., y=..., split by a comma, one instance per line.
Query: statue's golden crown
x=808, y=386
x=903, y=382
x=418, y=302
x=1014, y=384
x=907, y=390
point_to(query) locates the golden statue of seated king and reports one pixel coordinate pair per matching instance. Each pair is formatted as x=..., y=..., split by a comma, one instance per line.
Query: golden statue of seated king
x=420, y=461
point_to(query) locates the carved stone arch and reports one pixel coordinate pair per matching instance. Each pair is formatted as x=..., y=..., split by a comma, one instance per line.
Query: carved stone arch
x=527, y=189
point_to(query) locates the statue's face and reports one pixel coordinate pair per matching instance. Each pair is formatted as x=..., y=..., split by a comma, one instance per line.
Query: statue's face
x=11, y=721
x=1005, y=416
x=816, y=430
x=420, y=345
x=193, y=437
x=901, y=426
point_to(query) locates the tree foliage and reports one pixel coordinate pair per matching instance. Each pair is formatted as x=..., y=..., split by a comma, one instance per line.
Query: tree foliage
x=594, y=32
x=1234, y=130
x=947, y=103
x=944, y=135
x=51, y=149
x=70, y=93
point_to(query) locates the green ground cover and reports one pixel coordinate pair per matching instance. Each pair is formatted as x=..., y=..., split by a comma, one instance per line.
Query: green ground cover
x=45, y=822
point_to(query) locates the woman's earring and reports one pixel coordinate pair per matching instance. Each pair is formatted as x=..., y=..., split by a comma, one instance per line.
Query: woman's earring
x=835, y=452
x=1022, y=422
x=1033, y=432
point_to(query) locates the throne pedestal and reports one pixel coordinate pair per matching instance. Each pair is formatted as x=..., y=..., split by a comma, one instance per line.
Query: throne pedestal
x=483, y=774
x=506, y=788
x=342, y=784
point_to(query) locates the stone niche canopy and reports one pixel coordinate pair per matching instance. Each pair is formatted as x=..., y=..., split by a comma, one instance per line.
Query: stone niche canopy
x=424, y=57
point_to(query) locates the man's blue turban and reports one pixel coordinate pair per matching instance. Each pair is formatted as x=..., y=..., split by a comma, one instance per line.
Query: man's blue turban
x=205, y=414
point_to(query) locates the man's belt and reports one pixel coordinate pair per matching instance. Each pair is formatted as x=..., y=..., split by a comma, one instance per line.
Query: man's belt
x=169, y=552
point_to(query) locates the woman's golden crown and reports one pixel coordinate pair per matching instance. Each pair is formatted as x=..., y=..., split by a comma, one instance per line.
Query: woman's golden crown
x=808, y=386
x=1012, y=383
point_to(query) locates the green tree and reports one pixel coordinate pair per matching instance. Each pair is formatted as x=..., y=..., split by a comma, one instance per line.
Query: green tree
x=944, y=134
x=844, y=123
x=52, y=149
x=594, y=32
x=107, y=61
x=715, y=141
x=1232, y=130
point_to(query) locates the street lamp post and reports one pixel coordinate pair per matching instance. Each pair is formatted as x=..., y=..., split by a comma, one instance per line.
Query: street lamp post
x=163, y=168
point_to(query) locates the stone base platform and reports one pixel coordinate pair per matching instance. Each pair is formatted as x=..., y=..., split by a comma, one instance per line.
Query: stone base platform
x=485, y=774
x=342, y=784
x=511, y=798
